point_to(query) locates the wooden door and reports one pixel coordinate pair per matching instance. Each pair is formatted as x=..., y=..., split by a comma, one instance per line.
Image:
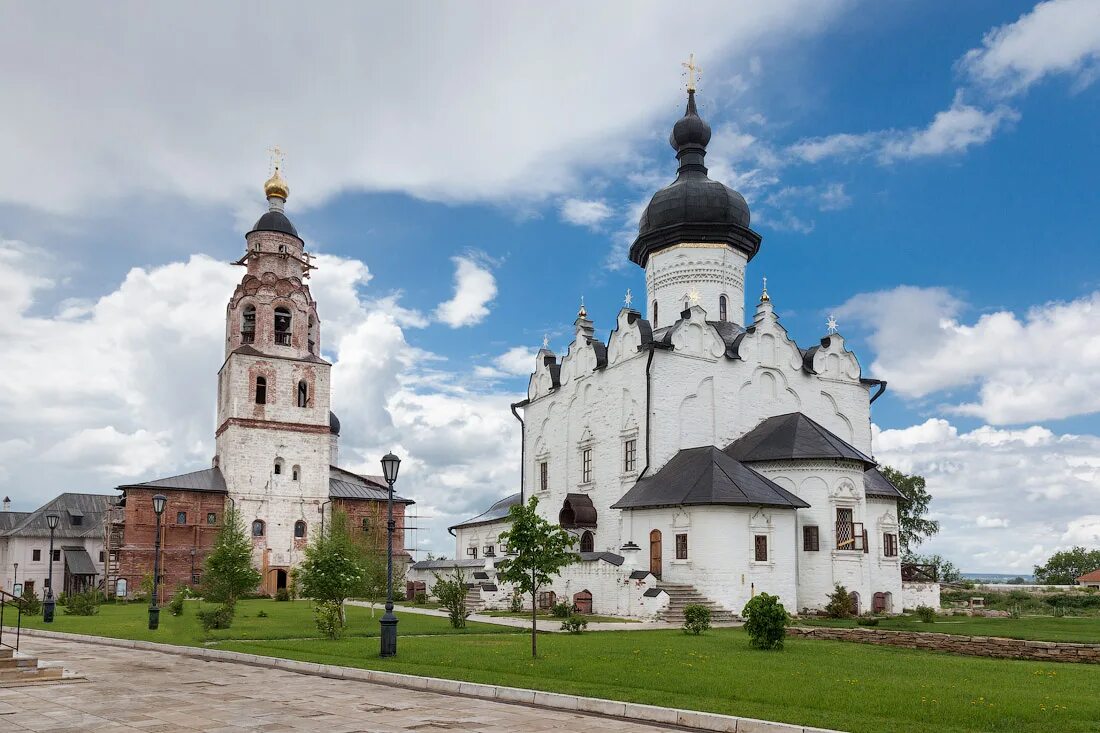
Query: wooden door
x=655, y=552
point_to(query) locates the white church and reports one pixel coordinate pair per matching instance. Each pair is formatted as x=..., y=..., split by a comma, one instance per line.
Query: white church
x=698, y=455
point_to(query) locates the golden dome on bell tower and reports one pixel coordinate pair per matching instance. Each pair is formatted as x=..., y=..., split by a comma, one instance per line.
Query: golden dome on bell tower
x=276, y=186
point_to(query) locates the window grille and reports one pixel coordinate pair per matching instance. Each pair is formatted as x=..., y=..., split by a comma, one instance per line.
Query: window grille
x=811, y=540
x=681, y=547
x=761, y=547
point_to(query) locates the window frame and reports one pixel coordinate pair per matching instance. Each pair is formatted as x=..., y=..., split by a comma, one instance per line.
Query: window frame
x=263, y=528
x=183, y=515
x=544, y=475
x=586, y=465
x=681, y=540
x=57, y=555
x=630, y=455
x=259, y=389
x=589, y=539
x=723, y=308
x=760, y=542
x=300, y=523
x=36, y=555
x=303, y=394
x=211, y=518
x=811, y=538
x=889, y=544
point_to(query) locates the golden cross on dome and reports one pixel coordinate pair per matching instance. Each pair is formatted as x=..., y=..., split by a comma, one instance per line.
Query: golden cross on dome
x=693, y=69
x=277, y=158
x=693, y=296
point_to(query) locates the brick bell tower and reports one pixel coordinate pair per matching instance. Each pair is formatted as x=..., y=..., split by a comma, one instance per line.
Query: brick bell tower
x=274, y=439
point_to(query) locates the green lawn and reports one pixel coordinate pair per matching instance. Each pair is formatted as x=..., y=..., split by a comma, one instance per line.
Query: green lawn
x=291, y=620
x=592, y=619
x=1039, y=628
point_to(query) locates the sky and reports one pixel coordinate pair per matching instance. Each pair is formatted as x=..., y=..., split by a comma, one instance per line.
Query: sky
x=467, y=173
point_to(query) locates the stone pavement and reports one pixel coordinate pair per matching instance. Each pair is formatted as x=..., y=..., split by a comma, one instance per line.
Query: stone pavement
x=137, y=690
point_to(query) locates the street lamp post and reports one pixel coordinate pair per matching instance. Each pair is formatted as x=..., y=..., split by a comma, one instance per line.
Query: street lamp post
x=159, y=502
x=15, y=580
x=192, y=566
x=390, y=464
x=48, y=605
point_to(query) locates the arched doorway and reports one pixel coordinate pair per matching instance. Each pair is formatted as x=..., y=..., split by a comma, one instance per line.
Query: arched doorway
x=280, y=580
x=854, y=598
x=582, y=602
x=655, y=552
x=878, y=603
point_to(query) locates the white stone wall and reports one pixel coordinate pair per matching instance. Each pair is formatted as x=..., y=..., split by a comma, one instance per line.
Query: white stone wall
x=709, y=269
x=920, y=594
x=21, y=550
x=478, y=537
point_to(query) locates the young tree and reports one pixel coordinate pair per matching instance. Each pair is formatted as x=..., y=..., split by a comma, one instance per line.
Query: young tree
x=370, y=540
x=945, y=569
x=451, y=592
x=913, y=526
x=228, y=572
x=1064, y=568
x=537, y=551
x=330, y=573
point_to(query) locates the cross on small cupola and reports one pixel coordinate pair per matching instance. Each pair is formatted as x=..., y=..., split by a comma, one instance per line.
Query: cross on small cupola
x=693, y=72
x=831, y=324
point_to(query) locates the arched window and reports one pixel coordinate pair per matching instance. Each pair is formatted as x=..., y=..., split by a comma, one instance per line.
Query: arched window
x=299, y=530
x=312, y=335
x=303, y=394
x=722, y=308
x=258, y=528
x=282, y=326
x=588, y=542
x=248, y=324
x=278, y=466
x=655, y=314
x=261, y=390
x=295, y=473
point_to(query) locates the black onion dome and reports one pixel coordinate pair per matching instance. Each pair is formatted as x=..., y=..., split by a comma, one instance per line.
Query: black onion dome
x=275, y=221
x=693, y=208
x=333, y=423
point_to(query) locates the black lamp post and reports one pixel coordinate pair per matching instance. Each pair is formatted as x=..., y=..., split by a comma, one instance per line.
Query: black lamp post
x=48, y=605
x=192, y=566
x=390, y=464
x=159, y=502
x=15, y=580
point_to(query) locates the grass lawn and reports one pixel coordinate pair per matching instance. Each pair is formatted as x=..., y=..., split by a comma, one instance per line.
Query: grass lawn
x=1084, y=629
x=855, y=687
x=592, y=619
x=291, y=620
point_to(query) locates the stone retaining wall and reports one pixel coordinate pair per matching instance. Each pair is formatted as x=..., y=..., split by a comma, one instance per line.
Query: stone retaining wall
x=979, y=646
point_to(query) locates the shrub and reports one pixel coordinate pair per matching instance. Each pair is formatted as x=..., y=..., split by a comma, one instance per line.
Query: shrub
x=574, y=624
x=327, y=616
x=696, y=618
x=282, y=595
x=867, y=621
x=216, y=617
x=451, y=592
x=420, y=598
x=32, y=605
x=926, y=614
x=175, y=606
x=765, y=621
x=515, y=605
x=561, y=610
x=840, y=603
x=1059, y=611
x=83, y=604
x=261, y=614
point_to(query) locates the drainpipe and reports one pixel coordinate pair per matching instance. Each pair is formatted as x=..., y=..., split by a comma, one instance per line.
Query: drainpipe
x=880, y=383
x=522, y=450
x=323, y=515
x=648, y=398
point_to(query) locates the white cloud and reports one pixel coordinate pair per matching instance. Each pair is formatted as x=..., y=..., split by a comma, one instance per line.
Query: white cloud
x=446, y=102
x=518, y=361
x=1056, y=37
x=1035, y=479
x=586, y=213
x=1019, y=364
x=475, y=288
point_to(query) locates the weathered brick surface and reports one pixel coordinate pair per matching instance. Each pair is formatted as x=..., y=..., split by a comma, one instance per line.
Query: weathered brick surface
x=980, y=646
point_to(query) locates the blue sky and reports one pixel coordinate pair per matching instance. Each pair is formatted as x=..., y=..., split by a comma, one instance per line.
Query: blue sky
x=926, y=171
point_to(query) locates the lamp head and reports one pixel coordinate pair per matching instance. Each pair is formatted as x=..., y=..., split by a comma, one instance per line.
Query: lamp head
x=52, y=519
x=390, y=465
x=159, y=502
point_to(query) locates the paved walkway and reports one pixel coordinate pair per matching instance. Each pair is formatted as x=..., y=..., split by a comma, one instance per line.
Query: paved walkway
x=131, y=690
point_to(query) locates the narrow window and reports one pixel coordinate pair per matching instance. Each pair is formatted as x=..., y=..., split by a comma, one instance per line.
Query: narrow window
x=471, y=551
x=721, y=308
x=890, y=545
x=294, y=473
x=490, y=550
x=261, y=390
x=630, y=455
x=57, y=555
x=681, y=547
x=586, y=465
x=248, y=324
x=544, y=476
x=811, y=541
x=303, y=394
x=845, y=530
x=278, y=466
x=102, y=557
x=655, y=314
x=866, y=549
x=36, y=555
x=181, y=517
x=588, y=542
x=299, y=530
x=211, y=518
x=282, y=326
x=366, y=524
x=258, y=528
x=761, y=542
x=282, y=249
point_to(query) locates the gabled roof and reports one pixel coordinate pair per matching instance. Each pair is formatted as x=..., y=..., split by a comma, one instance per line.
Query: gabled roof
x=90, y=509
x=208, y=479
x=792, y=436
x=10, y=519
x=343, y=484
x=499, y=510
x=875, y=483
x=1093, y=577
x=706, y=475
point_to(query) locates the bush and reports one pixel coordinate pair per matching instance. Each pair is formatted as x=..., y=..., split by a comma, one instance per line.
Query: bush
x=261, y=614
x=867, y=621
x=329, y=619
x=926, y=614
x=216, y=617
x=420, y=598
x=574, y=624
x=561, y=610
x=696, y=618
x=175, y=606
x=451, y=592
x=766, y=621
x=282, y=595
x=515, y=605
x=32, y=605
x=840, y=603
x=83, y=604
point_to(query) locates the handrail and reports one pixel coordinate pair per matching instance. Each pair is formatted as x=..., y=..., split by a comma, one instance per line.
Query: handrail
x=18, y=604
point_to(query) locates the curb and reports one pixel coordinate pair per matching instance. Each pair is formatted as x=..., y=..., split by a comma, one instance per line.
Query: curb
x=635, y=712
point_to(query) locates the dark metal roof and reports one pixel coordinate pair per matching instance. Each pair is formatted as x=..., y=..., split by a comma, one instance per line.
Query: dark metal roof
x=91, y=506
x=653, y=592
x=791, y=436
x=343, y=484
x=875, y=483
x=208, y=479
x=333, y=423
x=446, y=564
x=706, y=475
x=10, y=519
x=601, y=352
x=499, y=510
x=275, y=221
x=78, y=561
x=577, y=511
x=610, y=557
x=638, y=574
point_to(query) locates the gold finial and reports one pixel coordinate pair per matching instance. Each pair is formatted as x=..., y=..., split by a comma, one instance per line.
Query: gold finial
x=583, y=312
x=693, y=296
x=693, y=72
x=276, y=185
x=764, y=297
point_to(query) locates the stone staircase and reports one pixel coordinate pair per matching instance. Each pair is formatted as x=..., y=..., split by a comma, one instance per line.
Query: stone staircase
x=681, y=595
x=474, y=601
x=23, y=670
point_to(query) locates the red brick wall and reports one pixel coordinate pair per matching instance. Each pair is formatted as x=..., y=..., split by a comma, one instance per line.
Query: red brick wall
x=177, y=540
x=360, y=509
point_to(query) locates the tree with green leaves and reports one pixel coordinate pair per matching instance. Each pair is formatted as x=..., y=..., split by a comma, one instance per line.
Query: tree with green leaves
x=946, y=571
x=913, y=525
x=1065, y=567
x=228, y=573
x=537, y=551
x=330, y=573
